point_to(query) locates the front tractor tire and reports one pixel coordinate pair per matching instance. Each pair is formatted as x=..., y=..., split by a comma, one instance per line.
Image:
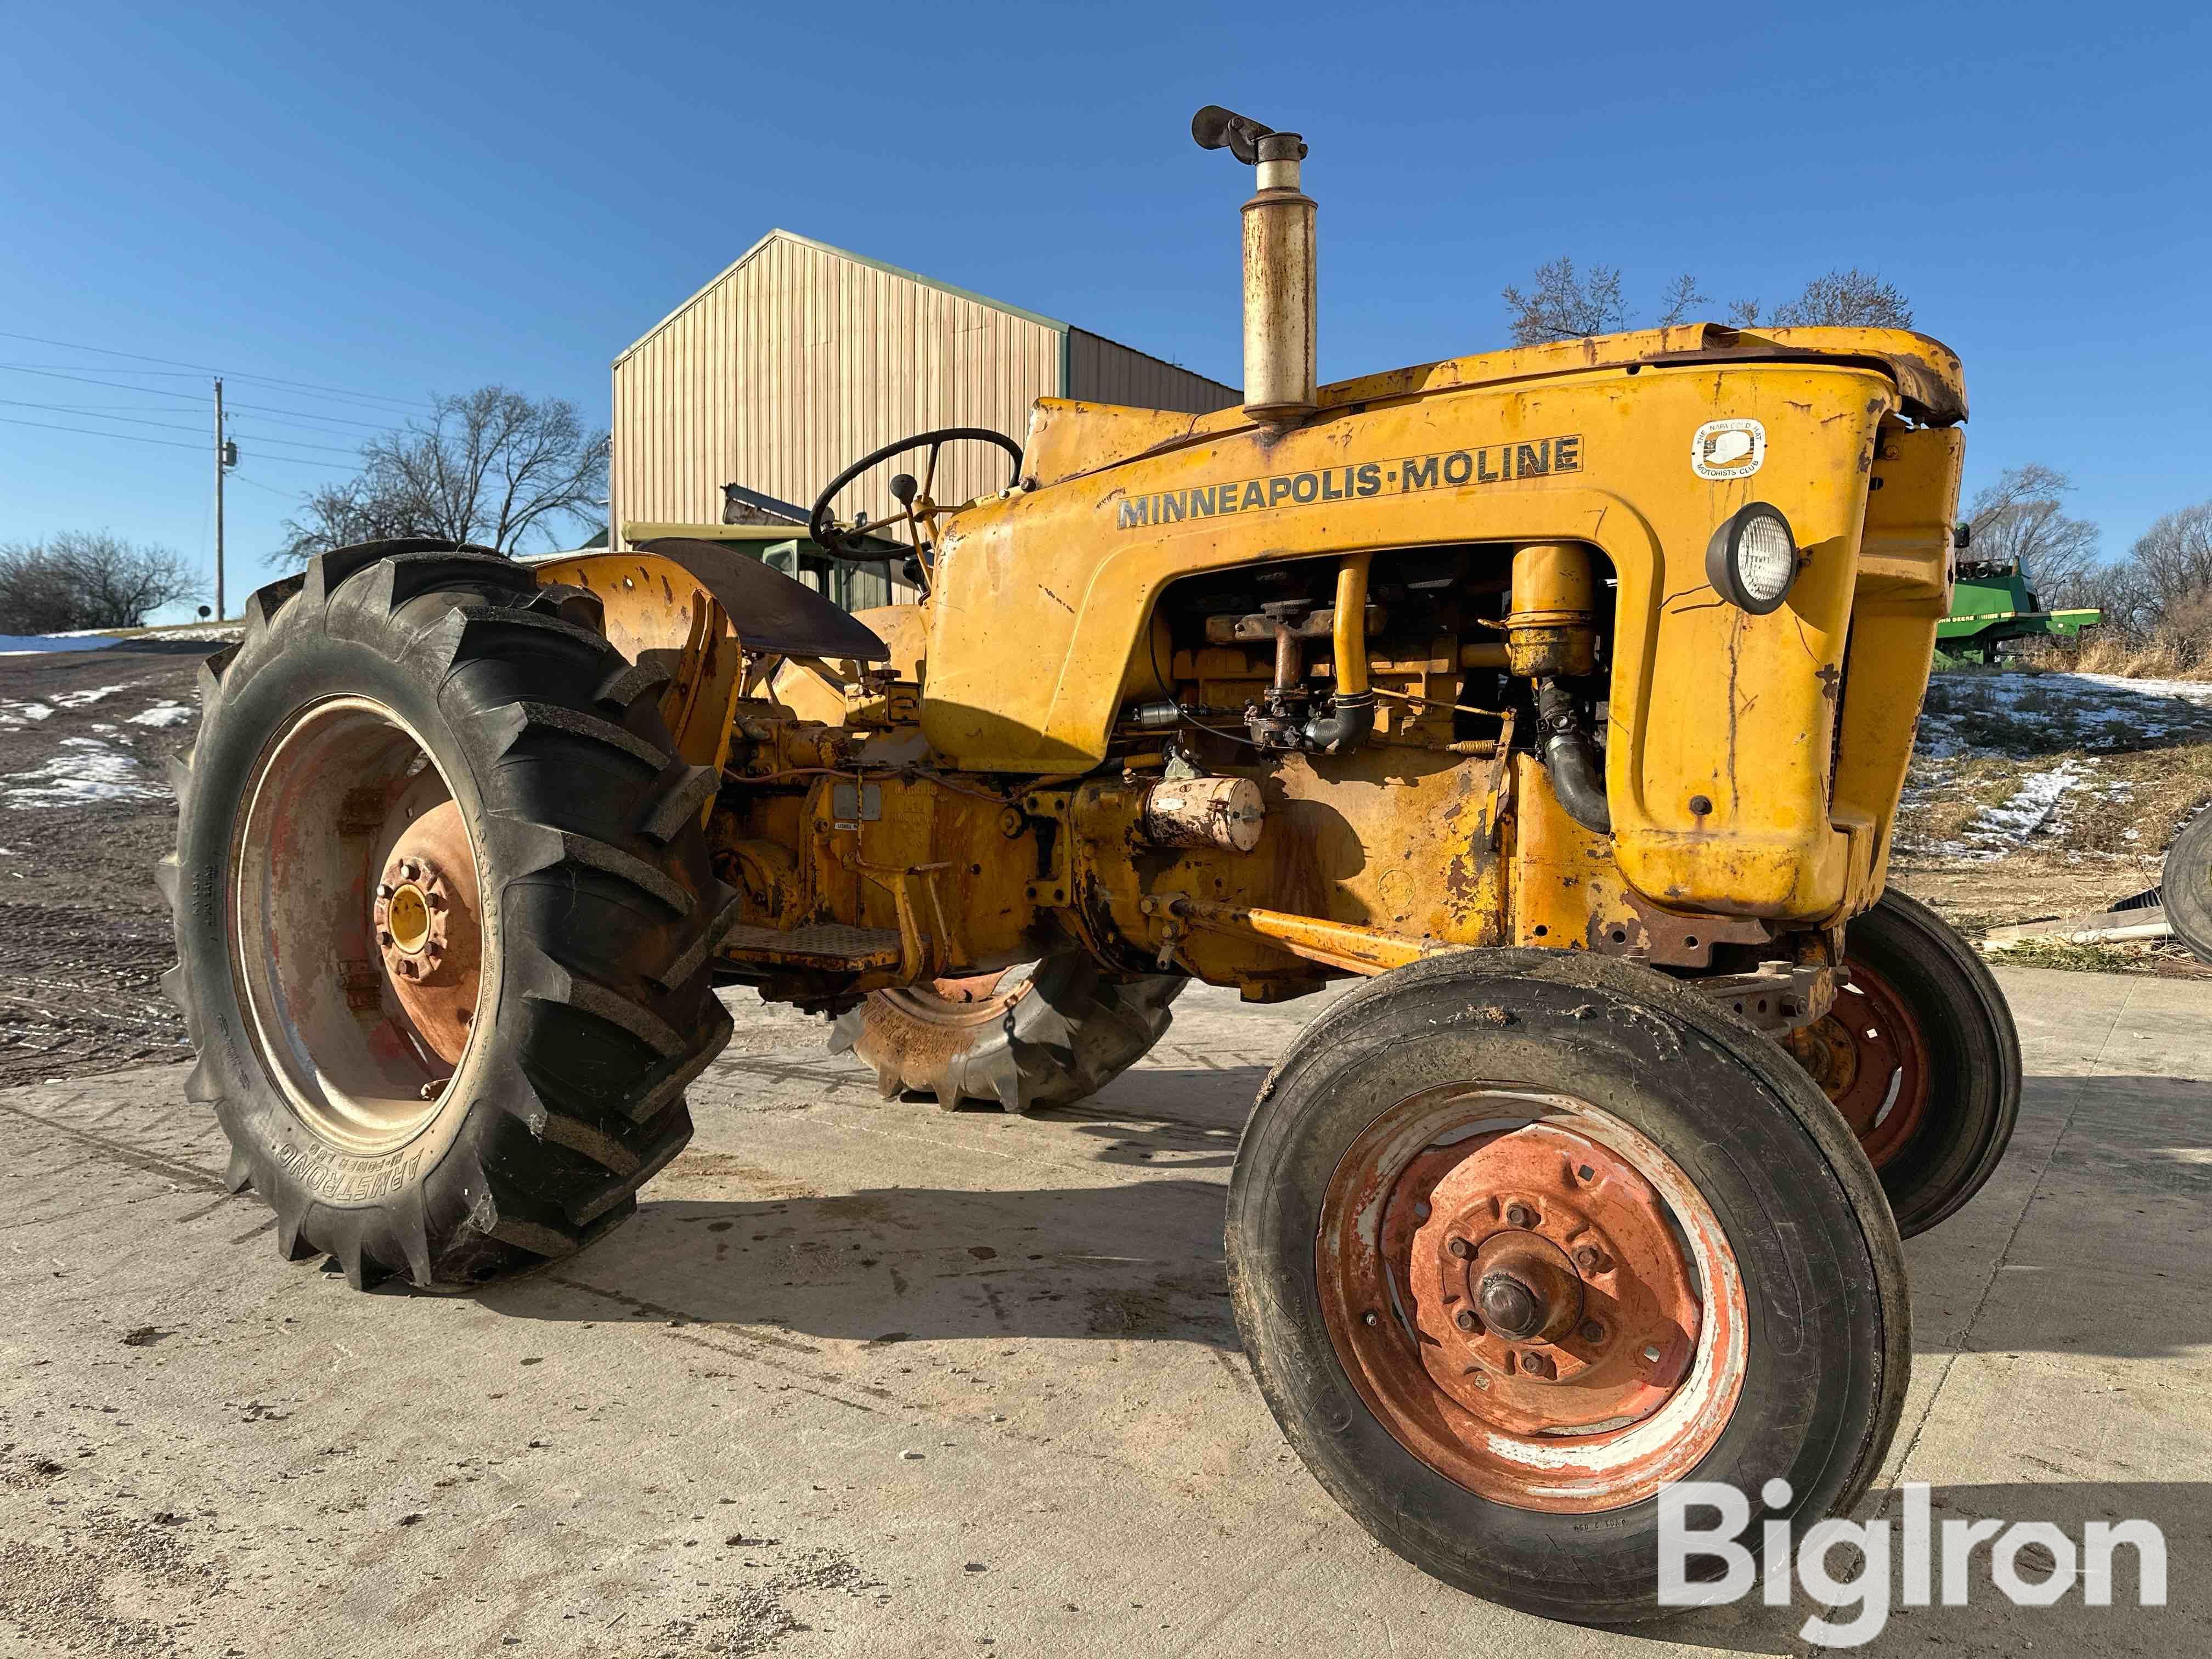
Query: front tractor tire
x=1045, y=1033
x=1518, y=1238
x=1919, y=1055
x=443, y=914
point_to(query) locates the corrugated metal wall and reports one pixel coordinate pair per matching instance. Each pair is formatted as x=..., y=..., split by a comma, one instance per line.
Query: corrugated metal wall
x=800, y=358
x=1101, y=371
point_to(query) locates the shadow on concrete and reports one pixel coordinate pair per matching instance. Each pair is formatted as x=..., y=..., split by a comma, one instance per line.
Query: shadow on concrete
x=1131, y=1261
x=1988, y=1623
x=2122, y=1205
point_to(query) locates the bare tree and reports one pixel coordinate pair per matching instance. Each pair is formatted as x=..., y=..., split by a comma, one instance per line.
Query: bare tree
x=2173, y=560
x=2019, y=520
x=1564, y=305
x=1680, y=300
x=491, y=467
x=88, y=579
x=1845, y=299
x=360, y=509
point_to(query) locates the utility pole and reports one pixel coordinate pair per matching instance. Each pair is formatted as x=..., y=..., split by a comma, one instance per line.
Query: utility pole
x=220, y=456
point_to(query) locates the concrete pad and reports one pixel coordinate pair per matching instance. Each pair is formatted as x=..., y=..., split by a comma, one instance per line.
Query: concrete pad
x=862, y=1378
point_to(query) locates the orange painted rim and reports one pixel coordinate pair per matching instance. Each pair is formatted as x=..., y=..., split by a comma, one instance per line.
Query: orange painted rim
x=1870, y=1059
x=974, y=999
x=1532, y=1297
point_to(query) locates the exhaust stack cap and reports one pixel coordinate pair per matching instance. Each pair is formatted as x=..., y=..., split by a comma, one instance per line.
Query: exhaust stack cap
x=1278, y=265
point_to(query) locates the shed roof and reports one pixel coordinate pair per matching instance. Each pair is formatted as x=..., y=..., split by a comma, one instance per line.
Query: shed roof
x=857, y=259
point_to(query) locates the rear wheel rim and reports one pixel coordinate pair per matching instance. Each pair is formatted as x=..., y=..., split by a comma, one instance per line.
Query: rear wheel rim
x=1532, y=1297
x=330, y=811
x=974, y=1000
x=1870, y=1058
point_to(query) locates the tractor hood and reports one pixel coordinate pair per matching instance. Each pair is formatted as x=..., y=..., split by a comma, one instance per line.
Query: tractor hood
x=1067, y=438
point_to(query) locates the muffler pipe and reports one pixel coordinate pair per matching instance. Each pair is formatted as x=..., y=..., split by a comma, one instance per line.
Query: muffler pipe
x=1280, y=363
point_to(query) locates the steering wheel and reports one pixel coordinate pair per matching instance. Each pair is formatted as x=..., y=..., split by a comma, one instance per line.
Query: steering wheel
x=851, y=542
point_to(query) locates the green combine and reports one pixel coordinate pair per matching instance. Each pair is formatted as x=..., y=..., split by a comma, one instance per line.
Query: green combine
x=1991, y=603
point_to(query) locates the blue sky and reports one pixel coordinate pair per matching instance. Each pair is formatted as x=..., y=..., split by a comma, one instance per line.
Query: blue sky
x=379, y=203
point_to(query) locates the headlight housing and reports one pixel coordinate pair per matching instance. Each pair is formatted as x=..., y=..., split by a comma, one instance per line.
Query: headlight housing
x=1751, y=560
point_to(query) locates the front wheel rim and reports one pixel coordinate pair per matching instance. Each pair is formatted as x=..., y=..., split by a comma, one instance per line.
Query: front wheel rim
x=1532, y=1297
x=1870, y=1058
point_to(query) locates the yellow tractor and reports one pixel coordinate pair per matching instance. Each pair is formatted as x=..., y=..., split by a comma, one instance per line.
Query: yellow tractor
x=1561, y=696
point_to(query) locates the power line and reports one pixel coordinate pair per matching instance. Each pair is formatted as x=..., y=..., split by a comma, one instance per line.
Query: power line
x=266, y=489
x=334, y=424
x=166, y=443
x=176, y=363
x=111, y=386
x=171, y=426
x=306, y=419
x=92, y=432
x=324, y=422
x=298, y=443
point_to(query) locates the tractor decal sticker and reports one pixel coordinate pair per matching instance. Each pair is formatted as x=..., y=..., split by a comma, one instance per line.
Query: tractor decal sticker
x=1450, y=469
x=1728, y=449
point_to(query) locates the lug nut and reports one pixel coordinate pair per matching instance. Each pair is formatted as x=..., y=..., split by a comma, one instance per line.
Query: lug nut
x=1519, y=1215
x=1592, y=1331
x=1536, y=1364
x=1464, y=1319
x=1370, y=1317
x=1461, y=1248
x=1588, y=1258
x=383, y=889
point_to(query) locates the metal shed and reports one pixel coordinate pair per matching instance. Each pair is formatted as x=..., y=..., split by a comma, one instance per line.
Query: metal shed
x=800, y=357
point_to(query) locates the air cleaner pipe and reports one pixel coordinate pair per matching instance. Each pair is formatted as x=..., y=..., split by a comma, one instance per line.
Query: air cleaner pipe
x=1572, y=759
x=1351, y=718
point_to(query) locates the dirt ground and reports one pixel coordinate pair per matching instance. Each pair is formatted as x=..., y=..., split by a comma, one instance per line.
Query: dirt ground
x=2037, y=796
x=85, y=813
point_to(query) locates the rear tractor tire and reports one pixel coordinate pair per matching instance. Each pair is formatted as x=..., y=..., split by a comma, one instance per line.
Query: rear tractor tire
x=444, y=916
x=1048, y=1034
x=2186, y=885
x=1920, y=1056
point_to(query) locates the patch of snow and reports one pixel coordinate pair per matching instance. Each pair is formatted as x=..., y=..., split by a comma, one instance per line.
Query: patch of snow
x=83, y=699
x=88, y=772
x=214, y=633
x=15, y=713
x=161, y=714
x=2030, y=808
x=23, y=645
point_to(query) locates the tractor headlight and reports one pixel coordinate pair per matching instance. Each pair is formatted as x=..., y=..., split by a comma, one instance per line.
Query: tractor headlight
x=1752, y=558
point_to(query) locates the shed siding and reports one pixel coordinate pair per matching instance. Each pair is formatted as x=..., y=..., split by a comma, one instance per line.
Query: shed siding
x=1101, y=371
x=801, y=358
x=797, y=361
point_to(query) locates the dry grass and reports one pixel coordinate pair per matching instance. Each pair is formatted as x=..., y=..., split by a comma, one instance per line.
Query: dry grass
x=2160, y=958
x=2138, y=764
x=2161, y=659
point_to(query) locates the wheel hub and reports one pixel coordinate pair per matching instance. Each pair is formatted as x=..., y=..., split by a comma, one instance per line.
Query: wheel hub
x=427, y=928
x=1869, y=1056
x=1549, y=1295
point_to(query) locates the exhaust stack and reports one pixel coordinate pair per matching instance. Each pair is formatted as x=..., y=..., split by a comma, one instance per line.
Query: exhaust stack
x=1279, y=265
